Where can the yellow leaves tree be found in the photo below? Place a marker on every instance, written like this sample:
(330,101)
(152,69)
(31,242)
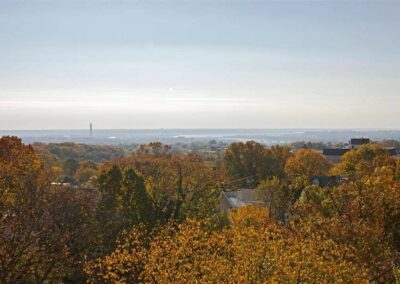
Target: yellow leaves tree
(396,272)
(187,253)
(362,161)
(363,214)
(254,250)
(306,163)
(249,215)
(20,168)
(267,252)
(125,264)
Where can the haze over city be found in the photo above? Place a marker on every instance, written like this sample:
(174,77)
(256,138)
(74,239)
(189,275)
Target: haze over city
(208,64)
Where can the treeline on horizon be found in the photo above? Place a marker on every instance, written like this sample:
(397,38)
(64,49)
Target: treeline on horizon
(75,213)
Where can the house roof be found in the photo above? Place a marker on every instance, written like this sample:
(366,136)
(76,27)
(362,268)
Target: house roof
(359,141)
(324,181)
(335,151)
(241,197)
(233,200)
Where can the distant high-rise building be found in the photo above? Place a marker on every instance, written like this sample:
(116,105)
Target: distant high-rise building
(91,129)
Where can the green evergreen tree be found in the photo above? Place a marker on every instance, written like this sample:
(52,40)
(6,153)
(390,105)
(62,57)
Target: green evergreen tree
(109,221)
(136,202)
(110,187)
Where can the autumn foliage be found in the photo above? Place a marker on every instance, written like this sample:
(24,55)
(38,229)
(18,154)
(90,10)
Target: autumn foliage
(254,249)
(154,217)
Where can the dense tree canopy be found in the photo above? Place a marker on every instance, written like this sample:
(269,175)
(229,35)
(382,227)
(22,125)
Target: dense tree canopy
(248,163)
(43,231)
(362,161)
(154,217)
(307,163)
(253,250)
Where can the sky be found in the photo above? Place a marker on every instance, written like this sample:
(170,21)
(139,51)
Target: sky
(199,64)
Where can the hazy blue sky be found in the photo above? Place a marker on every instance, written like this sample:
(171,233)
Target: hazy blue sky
(172,64)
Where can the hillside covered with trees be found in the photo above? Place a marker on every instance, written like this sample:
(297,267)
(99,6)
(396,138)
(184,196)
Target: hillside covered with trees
(151,215)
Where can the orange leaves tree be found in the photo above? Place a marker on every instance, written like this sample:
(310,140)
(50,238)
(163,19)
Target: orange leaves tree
(253,249)
(21,178)
(21,170)
(43,230)
(163,210)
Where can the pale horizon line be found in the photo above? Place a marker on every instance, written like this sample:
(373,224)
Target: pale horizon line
(216,128)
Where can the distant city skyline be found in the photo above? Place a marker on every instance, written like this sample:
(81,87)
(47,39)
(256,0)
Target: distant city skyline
(199,64)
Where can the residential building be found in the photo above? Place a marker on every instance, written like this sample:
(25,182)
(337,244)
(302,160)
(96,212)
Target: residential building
(239,198)
(326,181)
(334,154)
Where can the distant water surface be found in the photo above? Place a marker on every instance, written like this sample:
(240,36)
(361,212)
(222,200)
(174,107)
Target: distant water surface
(171,136)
